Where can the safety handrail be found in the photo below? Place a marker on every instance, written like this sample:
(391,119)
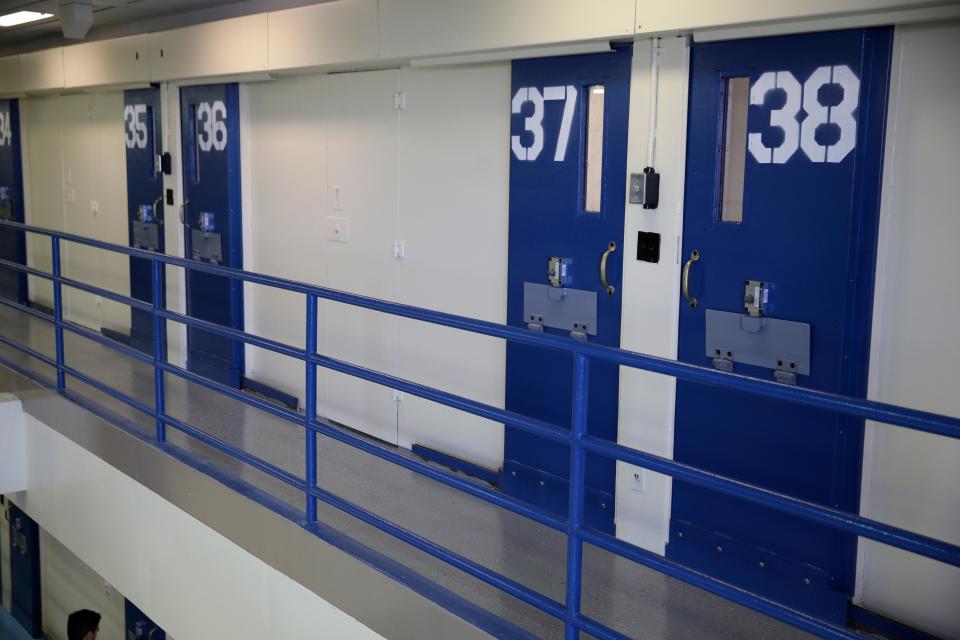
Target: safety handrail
(578,439)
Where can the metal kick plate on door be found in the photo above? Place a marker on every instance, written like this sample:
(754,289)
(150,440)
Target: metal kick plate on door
(145,235)
(560,308)
(763,342)
(206,246)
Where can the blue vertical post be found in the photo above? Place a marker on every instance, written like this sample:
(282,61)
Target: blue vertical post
(58,312)
(159,347)
(310,408)
(578,429)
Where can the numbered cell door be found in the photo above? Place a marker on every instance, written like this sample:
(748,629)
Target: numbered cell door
(13,284)
(145,207)
(25,572)
(780,222)
(568,150)
(211,219)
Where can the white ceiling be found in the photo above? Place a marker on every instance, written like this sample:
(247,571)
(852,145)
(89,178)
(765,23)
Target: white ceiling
(113,18)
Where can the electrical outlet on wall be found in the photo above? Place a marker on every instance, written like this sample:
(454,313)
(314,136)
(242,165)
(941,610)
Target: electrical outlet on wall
(638,479)
(338,229)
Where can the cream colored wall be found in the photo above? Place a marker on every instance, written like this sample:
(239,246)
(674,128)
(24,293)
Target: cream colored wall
(75,169)
(43,184)
(910,479)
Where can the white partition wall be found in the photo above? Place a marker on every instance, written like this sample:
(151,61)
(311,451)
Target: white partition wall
(910,479)
(454,167)
(360,229)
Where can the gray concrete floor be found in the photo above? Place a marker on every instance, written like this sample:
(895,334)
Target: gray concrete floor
(636,601)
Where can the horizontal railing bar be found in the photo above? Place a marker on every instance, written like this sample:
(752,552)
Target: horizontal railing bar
(470,487)
(109,391)
(236,394)
(494,579)
(449,479)
(16,266)
(257,463)
(36,313)
(838,404)
(596,629)
(867,409)
(847,405)
(236,334)
(718,587)
(505,584)
(133,303)
(94,336)
(28,351)
(524,423)
(834,518)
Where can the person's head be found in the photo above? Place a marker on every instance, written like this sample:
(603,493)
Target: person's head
(83,625)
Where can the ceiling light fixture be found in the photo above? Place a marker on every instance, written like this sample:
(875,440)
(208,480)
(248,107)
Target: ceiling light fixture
(22,17)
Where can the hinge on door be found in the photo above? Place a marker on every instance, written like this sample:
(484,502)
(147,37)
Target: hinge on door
(723,360)
(399,100)
(399,250)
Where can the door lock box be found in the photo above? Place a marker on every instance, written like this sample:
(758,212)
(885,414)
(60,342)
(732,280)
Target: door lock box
(756,294)
(145,213)
(145,231)
(206,221)
(558,271)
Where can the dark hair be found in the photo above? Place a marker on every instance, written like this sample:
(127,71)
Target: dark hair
(82,622)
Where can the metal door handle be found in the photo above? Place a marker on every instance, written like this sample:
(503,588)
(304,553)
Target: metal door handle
(603,268)
(183,205)
(155,210)
(694,257)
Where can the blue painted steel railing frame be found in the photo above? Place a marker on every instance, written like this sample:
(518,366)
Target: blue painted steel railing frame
(580,442)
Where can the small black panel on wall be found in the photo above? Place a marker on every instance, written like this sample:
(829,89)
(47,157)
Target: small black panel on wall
(648,246)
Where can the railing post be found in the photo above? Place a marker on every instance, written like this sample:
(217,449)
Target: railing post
(58,312)
(310,407)
(159,348)
(578,429)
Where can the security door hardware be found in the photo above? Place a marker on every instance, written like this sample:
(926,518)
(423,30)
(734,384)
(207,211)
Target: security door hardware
(645,188)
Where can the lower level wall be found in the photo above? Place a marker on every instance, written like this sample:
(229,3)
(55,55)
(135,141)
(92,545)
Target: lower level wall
(191,580)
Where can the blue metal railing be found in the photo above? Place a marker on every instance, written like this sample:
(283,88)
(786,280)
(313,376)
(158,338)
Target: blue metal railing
(580,443)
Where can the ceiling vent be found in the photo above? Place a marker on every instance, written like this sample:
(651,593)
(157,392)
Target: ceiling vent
(76,17)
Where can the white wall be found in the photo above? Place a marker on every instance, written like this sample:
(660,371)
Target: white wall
(191,580)
(651,291)
(284,173)
(910,479)
(426,175)
(454,176)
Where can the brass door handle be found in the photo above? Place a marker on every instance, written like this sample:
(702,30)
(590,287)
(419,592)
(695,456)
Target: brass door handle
(155,210)
(685,278)
(183,205)
(603,268)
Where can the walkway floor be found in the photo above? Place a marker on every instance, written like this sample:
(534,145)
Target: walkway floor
(632,599)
